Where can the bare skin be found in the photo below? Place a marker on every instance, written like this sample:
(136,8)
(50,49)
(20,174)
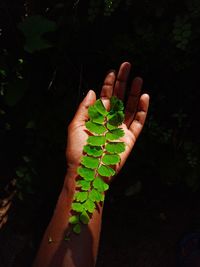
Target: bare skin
(81,250)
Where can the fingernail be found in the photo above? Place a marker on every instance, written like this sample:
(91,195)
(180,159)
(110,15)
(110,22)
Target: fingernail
(89,94)
(111,71)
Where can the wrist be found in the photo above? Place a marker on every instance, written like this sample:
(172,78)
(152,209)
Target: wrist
(70,181)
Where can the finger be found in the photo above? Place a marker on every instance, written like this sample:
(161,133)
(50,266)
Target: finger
(133,100)
(82,112)
(121,81)
(140,116)
(3,221)
(107,89)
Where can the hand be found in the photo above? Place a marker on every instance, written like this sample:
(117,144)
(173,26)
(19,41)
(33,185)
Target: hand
(135,115)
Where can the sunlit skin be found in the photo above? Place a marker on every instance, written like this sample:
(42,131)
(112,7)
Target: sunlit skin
(135,115)
(81,250)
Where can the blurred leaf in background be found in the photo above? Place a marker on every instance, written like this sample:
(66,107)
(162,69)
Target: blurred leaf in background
(34,28)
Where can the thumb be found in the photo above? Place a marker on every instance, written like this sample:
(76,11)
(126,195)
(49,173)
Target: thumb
(82,112)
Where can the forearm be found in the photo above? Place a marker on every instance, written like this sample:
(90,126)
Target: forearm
(80,250)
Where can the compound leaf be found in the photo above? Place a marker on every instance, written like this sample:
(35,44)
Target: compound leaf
(115,134)
(85,185)
(115,147)
(77,228)
(81,196)
(74,219)
(95,128)
(95,195)
(96,140)
(100,185)
(111,159)
(95,151)
(100,107)
(77,207)
(95,116)
(84,218)
(106,171)
(90,162)
(86,173)
(104,127)
(89,205)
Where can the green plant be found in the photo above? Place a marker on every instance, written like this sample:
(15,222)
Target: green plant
(101,154)
(34,28)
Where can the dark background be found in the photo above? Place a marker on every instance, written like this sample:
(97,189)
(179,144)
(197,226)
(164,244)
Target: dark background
(51,53)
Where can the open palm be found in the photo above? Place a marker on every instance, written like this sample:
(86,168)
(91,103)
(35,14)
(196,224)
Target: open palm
(135,115)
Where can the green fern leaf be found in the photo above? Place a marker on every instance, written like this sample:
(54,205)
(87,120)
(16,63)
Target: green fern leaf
(81,196)
(100,107)
(115,134)
(90,162)
(116,104)
(95,195)
(95,151)
(85,185)
(110,126)
(84,218)
(116,119)
(95,116)
(89,205)
(100,185)
(102,197)
(96,140)
(77,207)
(77,229)
(86,173)
(105,171)
(74,219)
(100,153)
(95,128)
(111,159)
(115,147)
